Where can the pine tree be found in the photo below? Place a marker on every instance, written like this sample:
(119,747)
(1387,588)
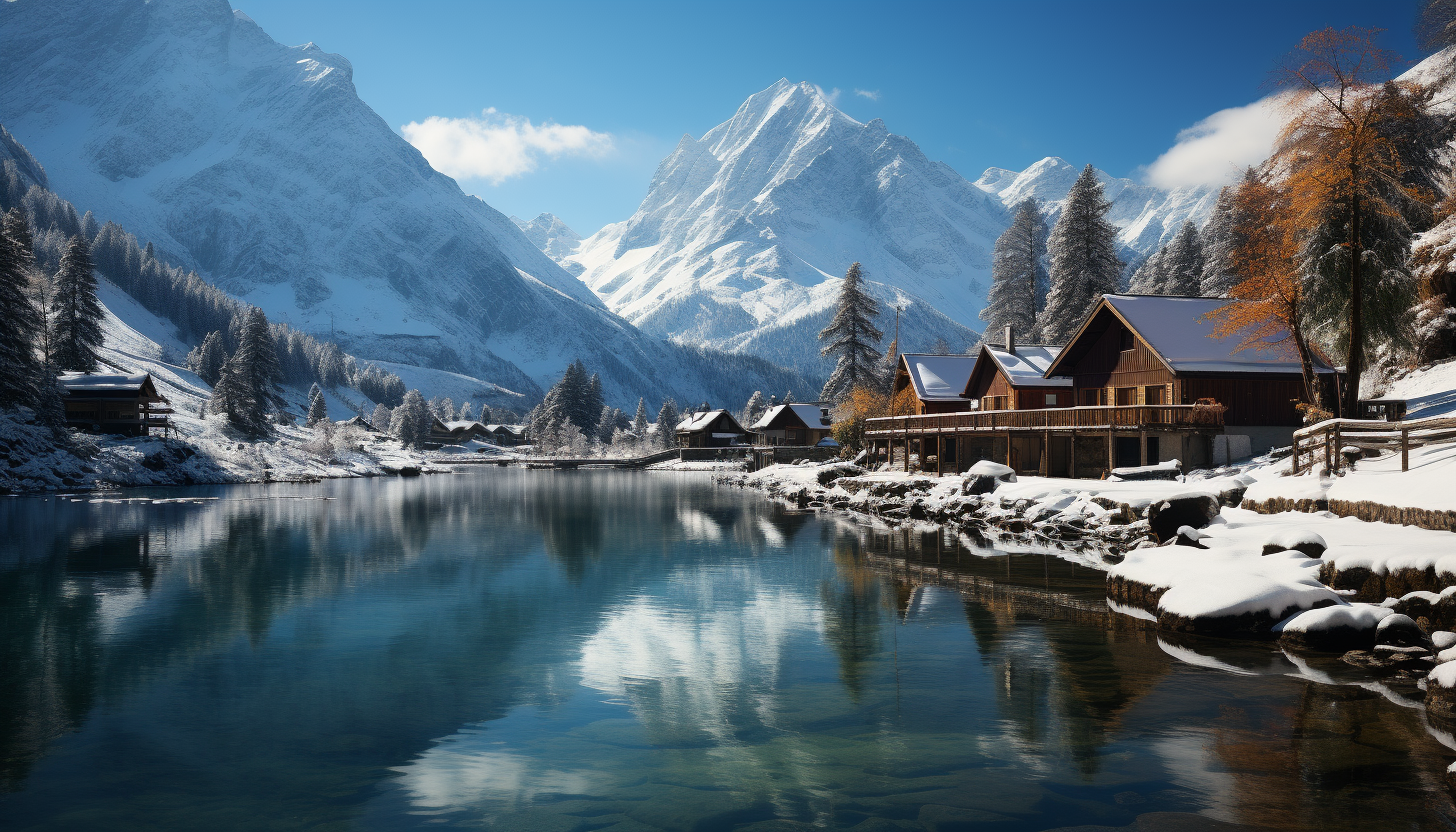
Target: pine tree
(207,359)
(1149,277)
(1018,278)
(446,410)
(667,419)
(606,425)
(467,412)
(487,415)
(1220,238)
(247,388)
(754,409)
(78,312)
(22,378)
(639,421)
(1084,264)
(852,337)
(887,367)
(380,417)
(410,422)
(1183,263)
(318,409)
(592,404)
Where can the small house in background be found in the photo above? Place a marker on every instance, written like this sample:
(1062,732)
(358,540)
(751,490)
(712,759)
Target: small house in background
(465,431)
(120,404)
(792,424)
(506,436)
(936,382)
(361,423)
(1012,376)
(710,429)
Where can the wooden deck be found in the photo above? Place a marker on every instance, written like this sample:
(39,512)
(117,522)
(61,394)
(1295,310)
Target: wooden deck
(1058,419)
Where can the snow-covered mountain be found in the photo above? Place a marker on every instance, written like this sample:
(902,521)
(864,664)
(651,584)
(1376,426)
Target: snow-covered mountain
(554,237)
(258,165)
(1147,216)
(745,234)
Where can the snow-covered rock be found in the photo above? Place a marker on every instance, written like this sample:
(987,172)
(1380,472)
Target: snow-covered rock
(1333,629)
(554,237)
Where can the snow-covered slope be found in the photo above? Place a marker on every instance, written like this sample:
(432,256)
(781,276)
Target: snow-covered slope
(1147,217)
(554,237)
(745,234)
(258,165)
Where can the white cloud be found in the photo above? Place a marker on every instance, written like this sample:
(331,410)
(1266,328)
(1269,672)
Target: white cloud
(832,96)
(1217,149)
(499,146)
(873,95)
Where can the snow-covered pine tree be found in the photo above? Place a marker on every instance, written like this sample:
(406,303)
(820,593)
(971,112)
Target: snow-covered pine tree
(380,417)
(247,388)
(888,366)
(467,413)
(206,360)
(22,378)
(753,409)
(446,410)
(606,425)
(78,313)
(1220,238)
(318,409)
(789,397)
(1018,277)
(852,337)
(1149,277)
(487,416)
(410,422)
(667,419)
(592,404)
(1183,263)
(1084,263)
(639,421)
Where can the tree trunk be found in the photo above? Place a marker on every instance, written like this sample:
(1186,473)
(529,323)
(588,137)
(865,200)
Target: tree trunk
(1312,391)
(1355,355)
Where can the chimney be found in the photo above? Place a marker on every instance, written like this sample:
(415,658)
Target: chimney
(1010,341)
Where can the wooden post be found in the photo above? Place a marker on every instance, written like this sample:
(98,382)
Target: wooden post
(1405,449)
(1111,450)
(1142,447)
(1072,451)
(1045,469)
(1338,446)
(939,452)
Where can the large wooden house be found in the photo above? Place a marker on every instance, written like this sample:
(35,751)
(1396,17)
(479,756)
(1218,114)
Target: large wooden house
(792,424)
(119,404)
(935,382)
(1012,376)
(710,429)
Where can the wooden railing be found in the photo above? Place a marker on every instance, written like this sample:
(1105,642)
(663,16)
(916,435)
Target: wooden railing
(1329,437)
(1059,418)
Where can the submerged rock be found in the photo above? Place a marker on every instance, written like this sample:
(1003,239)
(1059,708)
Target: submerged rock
(1333,629)
(1400,631)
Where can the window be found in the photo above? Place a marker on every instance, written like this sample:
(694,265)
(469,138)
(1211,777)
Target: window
(1125,340)
(1154,394)
(1090,397)
(1051,400)
(1126,395)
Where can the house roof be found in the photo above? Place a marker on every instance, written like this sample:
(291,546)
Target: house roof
(1179,332)
(512,429)
(703,420)
(1027,366)
(938,378)
(465,425)
(118,384)
(810,414)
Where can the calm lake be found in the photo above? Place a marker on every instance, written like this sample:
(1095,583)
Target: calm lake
(597,650)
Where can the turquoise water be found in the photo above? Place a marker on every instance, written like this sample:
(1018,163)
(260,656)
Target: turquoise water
(623,651)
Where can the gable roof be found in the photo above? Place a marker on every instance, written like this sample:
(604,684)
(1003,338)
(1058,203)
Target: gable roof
(1027,366)
(938,378)
(703,420)
(811,415)
(1182,337)
(114,384)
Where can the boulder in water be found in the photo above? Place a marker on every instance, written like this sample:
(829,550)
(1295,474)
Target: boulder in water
(1194,509)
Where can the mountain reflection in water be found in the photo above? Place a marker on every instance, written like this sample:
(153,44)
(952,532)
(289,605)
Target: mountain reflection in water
(618,650)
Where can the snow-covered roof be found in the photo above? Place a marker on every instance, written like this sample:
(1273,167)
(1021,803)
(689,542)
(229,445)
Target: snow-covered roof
(96,383)
(1180,333)
(810,414)
(939,378)
(511,428)
(1027,365)
(701,420)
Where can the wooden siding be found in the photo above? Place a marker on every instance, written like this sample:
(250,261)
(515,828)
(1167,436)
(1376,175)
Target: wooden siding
(1106,364)
(1260,400)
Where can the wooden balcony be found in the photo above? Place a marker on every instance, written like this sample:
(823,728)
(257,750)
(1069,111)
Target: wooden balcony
(1137,417)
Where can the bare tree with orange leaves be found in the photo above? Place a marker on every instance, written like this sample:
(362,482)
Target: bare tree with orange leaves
(1357,163)
(1268,301)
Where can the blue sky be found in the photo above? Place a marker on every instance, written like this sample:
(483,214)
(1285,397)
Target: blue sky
(974,84)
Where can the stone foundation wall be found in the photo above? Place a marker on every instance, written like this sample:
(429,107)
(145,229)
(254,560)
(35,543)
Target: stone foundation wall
(1441,521)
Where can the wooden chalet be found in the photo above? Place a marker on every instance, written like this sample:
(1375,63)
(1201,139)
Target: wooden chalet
(1151,382)
(791,424)
(117,404)
(1012,376)
(710,429)
(506,436)
(936,382)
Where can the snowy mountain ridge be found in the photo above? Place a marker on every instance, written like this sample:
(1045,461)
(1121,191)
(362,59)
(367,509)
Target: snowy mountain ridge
(745,234)
(258,165)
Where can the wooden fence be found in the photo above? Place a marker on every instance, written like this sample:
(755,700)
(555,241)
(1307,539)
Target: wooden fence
(1136,416)
(1332,435)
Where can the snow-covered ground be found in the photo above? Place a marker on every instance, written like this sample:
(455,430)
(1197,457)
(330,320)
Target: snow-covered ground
(1427,391)
(1429,484)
